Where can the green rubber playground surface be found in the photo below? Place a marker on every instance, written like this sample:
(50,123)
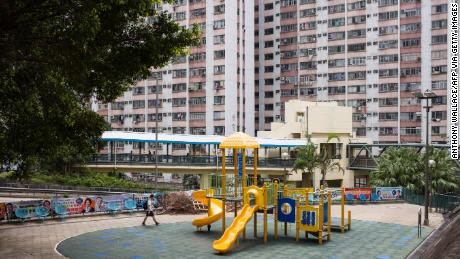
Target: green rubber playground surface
(181,240)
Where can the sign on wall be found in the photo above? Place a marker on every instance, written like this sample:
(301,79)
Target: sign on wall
(388,193)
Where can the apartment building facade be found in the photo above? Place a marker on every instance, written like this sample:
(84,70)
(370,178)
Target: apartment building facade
(210,91)
(371,55)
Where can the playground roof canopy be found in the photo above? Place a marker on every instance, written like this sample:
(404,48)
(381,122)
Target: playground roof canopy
(239,140)
(193,139)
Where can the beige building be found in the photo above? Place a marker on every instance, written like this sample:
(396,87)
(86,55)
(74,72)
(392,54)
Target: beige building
(319,120)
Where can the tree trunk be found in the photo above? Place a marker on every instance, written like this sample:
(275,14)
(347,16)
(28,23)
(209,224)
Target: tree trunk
(324,182)
(305,179)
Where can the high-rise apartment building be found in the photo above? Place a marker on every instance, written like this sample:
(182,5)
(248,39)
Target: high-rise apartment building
(210,91)
(371,55)
(254,56)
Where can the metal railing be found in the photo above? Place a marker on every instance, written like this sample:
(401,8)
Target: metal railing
(170,160)
(439,202)
(361,162)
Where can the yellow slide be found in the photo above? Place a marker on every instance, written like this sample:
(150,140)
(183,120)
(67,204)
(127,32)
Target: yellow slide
(231,234)
(214,209)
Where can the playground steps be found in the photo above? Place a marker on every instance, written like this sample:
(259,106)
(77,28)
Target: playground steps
(315,235)
(335,224)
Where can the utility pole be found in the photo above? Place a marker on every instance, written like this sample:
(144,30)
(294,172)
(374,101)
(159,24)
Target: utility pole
(156,132)
(427,96)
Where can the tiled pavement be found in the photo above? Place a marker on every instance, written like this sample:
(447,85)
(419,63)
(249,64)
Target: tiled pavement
(181,240)
(38,240)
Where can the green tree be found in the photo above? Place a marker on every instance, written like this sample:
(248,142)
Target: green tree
(57,55)
(306,161)
(326,160)
(405,167)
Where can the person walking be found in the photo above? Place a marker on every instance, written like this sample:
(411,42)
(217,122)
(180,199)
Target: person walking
(151,204)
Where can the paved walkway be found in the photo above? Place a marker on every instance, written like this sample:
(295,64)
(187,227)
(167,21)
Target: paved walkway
(38,240)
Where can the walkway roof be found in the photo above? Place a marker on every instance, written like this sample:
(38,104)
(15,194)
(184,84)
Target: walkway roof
(192,139)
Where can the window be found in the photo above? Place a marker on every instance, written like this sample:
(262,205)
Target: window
(197,101)
(412,131)
(336,63)
(358,75)
(179,88)
(268,56)
(199,71)
(410,116)
(415,42)
(268,31)
(383,73)
(388,30)
(219,24)
(336,22)
(178,102)
(178,130)
(439,39)
(219,9)
(307,12)
(308,38)
(268,6)
(411,57)
(138,90)
(358,61)
(153,117)
(388,58)
(411,12)
(340,8)
(361,132)
(439,130)
(336,90)
(268,44)
(336,76)
(197,116)
(288,28)
(336,49)
(410,87)
(219,39)
(198,131)
(357,34)
(409,101)
(357,6)
(388,131)
(288,15)
(411,27)
(154,103)
(178,116)
(288,41)
(269,107)
(307,26)
(219,130)
(387,2)
(336,35)
(442,8)
(388,44)
(357,47)
(439,85)
(179,73)
(388,116)
(390,87)
(218,100)
(439,70)
(179,16)
(412,71)
(197,13)
(138,118)
(357,19)
(360,181)
(388,15)
(439,115)
(354,89)
(268,18)
(440,100)
(439,54)
(439,24)
(268,69)
(218,70)
(388,101)
(138,104)
(219,54)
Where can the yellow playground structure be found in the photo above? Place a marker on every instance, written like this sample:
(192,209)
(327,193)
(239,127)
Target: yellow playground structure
(288,205)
